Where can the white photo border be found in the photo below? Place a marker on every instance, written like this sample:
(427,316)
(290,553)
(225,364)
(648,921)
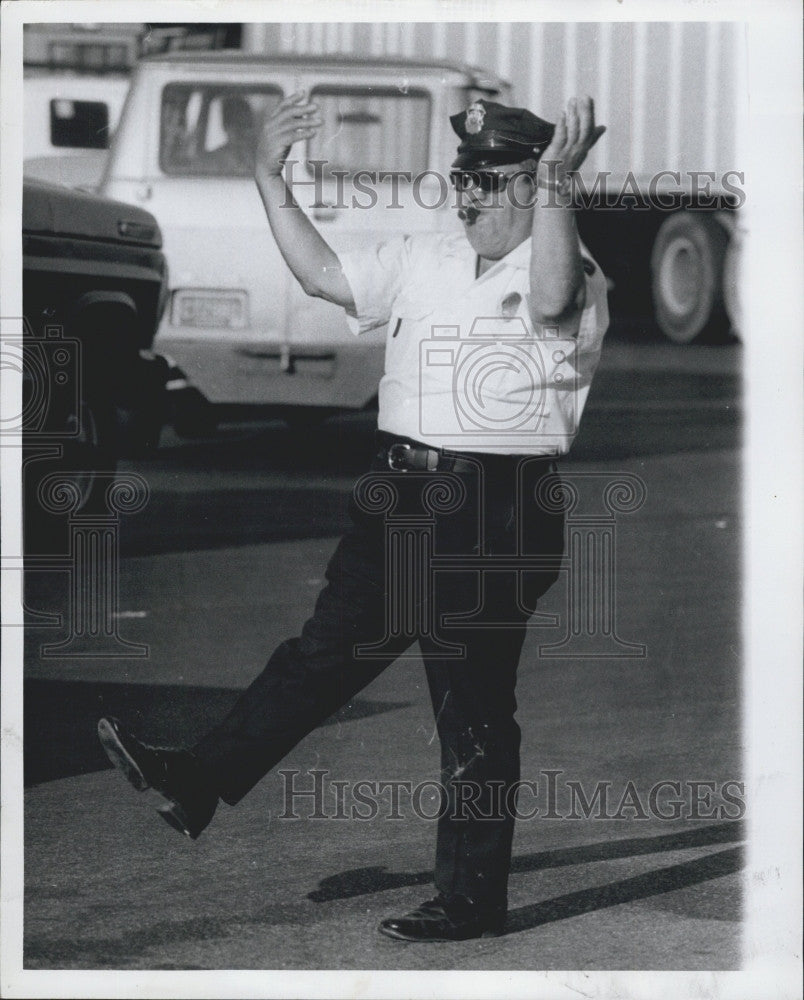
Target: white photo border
(770,146)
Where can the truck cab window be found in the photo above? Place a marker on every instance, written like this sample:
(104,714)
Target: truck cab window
(211,131)
(372,128)
(79,124)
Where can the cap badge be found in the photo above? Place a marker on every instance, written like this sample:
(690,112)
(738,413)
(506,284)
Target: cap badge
(475,114)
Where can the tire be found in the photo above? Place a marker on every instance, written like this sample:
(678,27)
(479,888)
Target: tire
(731,288)
(91,457)
(687,277)
(191,414)
(87,461)
(143,412)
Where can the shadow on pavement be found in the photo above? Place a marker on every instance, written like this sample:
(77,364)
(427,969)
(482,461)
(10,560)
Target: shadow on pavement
(61,719)
(626,890)
(127,951)
(365,881)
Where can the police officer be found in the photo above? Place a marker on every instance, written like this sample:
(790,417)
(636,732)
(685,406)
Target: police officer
(493,335)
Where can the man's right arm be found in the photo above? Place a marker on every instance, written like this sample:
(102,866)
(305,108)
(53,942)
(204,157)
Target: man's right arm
(312,260)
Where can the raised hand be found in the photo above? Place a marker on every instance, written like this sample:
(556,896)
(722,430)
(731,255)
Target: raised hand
(574,136)
(292,119)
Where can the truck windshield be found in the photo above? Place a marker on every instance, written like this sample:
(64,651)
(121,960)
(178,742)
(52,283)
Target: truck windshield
(372,128)
(211,130)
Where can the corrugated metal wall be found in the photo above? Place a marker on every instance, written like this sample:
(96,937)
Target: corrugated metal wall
(666,91)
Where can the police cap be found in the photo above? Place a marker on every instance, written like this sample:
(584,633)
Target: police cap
(492,134)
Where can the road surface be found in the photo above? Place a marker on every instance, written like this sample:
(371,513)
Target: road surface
(225,561)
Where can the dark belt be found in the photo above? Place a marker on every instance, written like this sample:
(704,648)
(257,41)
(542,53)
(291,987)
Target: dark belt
(405,455)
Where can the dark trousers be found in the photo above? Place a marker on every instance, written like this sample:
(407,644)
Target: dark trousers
(490,510)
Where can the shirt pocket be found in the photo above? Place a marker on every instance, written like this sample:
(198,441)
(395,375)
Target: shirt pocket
(411,307)
(411,323)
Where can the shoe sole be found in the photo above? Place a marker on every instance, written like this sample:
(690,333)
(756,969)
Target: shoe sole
(173,814)
(115,750)
(120,757)
(398,936)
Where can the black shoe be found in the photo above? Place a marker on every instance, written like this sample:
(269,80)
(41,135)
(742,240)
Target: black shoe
(175,774)
(442,919)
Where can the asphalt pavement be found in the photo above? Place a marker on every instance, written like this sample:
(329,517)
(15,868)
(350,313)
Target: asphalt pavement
(225,561)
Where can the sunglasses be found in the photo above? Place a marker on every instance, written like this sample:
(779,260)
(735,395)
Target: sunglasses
(489,181)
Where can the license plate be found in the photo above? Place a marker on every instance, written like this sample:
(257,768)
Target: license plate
(227,310)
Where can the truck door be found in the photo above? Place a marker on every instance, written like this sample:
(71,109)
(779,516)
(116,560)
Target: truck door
(228,281)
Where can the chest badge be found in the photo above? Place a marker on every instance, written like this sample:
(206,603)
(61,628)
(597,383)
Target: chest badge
(474,118)
(510,305)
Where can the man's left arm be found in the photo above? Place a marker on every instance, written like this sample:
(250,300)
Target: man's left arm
(557,286)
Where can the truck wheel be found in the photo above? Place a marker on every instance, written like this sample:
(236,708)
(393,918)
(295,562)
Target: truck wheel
(731,287)
(687,276)
(192,415)
(143,411)
(89,453)
(88,459)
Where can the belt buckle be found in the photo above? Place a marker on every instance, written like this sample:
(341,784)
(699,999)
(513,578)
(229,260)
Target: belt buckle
(392,456)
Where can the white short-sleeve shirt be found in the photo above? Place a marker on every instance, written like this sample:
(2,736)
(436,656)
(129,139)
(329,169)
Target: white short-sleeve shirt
(465,369)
